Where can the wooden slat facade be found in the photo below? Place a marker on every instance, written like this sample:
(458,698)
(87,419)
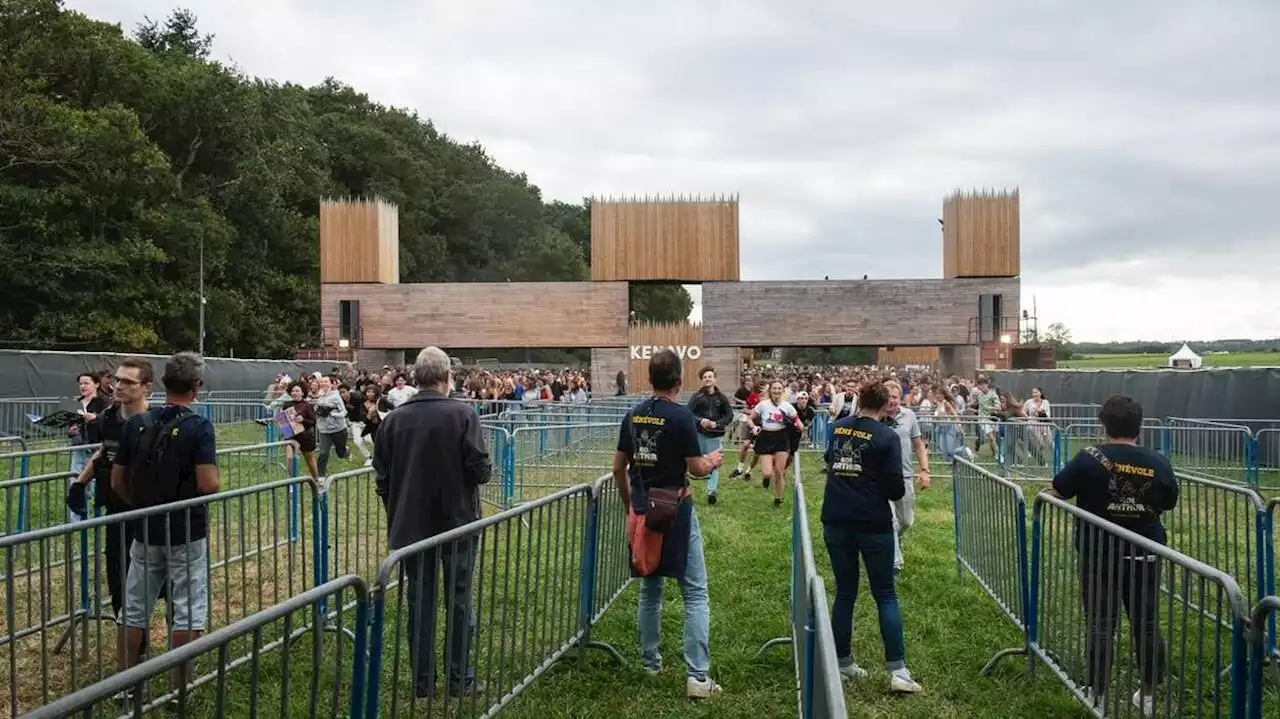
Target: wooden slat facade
(481,315)
(668,240)
(605,363)
(359,241)
(847,313)
(900,356)
(981,235)
(680,335)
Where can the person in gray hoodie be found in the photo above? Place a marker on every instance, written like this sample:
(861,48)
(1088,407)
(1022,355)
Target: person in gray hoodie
(331,424)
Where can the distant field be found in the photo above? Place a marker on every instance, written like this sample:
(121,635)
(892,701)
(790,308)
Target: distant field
(1140,361)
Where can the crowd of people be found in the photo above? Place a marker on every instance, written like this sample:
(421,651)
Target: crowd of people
(875,461)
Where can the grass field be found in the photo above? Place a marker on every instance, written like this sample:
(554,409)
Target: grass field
(1153,361)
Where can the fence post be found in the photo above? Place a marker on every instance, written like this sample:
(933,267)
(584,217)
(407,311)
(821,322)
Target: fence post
(360,657)
(955,515)
(320,544)
(1033,609)
(509,468)
(294,499)
(1059,439)
(374,666)
(1252,460)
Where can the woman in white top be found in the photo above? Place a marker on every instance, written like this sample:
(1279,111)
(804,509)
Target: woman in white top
(1041,432)
(768,421)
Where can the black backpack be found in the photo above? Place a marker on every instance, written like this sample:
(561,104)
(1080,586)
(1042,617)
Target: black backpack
(156,468)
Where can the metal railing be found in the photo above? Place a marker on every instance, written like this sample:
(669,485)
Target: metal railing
(1086,572)
(321,684)
(990,515)
(76,576)
(517,590)
(817,668)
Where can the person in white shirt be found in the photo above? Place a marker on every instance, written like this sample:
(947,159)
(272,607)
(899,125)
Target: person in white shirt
(401,392)
(905,424)
(768,421)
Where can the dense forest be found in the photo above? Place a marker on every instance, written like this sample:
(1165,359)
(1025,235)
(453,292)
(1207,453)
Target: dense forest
(121,156)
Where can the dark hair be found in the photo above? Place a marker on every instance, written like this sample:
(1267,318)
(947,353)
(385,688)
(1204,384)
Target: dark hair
(183,373)
(299,385)
(705,369)
(146,374)
(873,397)
(1042,394)
(91,375)
(1121,417)
(664,370)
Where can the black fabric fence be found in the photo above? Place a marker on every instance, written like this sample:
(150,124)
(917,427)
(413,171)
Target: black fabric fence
(25,373)
(1237,394)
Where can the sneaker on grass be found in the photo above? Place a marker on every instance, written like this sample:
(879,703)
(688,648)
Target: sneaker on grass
(702,688)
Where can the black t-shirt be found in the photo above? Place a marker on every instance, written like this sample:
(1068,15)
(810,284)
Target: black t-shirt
(864,474)
(110,428)
(1141,488)
(806,414)
(195,446)
(657,436)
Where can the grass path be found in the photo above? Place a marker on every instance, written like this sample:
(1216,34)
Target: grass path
(952,629)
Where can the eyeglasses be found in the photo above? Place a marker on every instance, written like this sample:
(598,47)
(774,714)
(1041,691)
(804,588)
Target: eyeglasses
(125,382)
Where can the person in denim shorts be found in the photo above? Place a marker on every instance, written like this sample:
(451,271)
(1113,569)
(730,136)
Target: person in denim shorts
(170,549)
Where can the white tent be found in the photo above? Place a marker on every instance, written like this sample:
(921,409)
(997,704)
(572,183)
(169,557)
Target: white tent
(1185,358)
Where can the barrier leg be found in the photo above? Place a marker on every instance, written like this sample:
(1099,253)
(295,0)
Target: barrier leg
(87,612)
(587,589)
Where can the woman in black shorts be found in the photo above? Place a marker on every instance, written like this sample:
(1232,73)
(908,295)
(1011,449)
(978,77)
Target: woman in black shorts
(769,422)
(306,414)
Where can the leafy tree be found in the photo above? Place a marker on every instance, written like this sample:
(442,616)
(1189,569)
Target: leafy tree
(177,35)
(660,302)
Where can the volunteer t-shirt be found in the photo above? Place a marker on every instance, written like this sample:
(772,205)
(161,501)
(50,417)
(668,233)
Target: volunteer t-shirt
(1132,494)
(657,436)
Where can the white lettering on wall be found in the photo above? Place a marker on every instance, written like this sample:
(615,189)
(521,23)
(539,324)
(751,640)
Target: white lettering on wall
(690,352)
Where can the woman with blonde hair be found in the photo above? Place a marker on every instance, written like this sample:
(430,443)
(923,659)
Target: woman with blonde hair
(768,422)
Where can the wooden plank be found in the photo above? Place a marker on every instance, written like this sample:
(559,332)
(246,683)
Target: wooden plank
(478,315)
(683,336)
(665,240)
(907,356)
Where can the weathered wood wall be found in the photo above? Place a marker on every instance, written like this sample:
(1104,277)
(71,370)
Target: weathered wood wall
(907,356)
(980,234)
(359,241)
(677,335)
(476,315)
(674,240)
(606,361)
(869,313)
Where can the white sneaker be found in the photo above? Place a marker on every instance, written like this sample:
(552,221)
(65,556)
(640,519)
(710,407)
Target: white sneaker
(900,681)
(852,672)
(702,689)
(652,671)
(1144,703)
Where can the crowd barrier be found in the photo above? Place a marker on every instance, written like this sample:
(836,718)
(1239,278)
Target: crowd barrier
(63,585)
(1188,621)
(328,682)
(990,515)
(1260,654)
(820,691)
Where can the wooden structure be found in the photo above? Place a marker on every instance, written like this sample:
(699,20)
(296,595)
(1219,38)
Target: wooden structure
(359,241)
(684,240)
(646,338)
(900,356)
(846,313)
(980,235)
(477,315)
(363,306)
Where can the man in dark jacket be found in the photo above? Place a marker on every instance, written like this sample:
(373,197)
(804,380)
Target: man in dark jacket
(714,413)
(430,460)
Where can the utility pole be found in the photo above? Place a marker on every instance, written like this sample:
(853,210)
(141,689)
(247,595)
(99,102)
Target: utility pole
(201,293)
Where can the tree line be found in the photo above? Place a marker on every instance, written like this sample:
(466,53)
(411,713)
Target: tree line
(121,156)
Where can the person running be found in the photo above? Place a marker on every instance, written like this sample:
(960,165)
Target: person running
(988,403)
(807,414)
(769,421)
(714,413)
(657,447)
(1130,486)
(749,398)
(864,477)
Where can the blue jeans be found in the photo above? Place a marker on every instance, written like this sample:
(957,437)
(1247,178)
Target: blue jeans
(420,570)
(944,435)
(697,612)
(711,444)
(876,549)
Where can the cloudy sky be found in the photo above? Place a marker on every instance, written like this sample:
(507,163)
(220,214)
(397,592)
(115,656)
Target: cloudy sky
(1143,135)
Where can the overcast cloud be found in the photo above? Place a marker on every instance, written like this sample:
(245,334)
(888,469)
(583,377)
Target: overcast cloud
(1143,135)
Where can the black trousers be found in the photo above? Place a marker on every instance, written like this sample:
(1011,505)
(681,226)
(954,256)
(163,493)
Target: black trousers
(1111,577)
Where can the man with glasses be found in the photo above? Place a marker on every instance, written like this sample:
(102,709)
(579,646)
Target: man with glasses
(132,381)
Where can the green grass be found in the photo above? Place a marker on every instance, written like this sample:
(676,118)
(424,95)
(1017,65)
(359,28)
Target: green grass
(952,628)
(1151,361)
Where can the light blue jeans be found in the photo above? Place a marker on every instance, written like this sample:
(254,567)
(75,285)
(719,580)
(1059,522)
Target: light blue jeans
(711,444)
(697,612)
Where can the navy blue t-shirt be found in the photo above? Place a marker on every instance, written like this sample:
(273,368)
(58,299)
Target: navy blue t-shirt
(864,474)
(195,445)
(1142,487)
(657,436)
